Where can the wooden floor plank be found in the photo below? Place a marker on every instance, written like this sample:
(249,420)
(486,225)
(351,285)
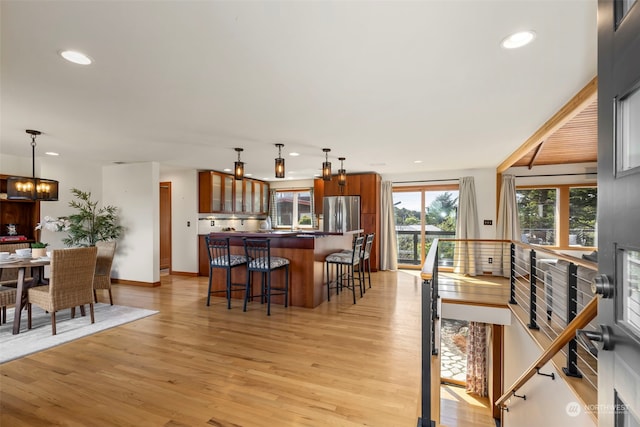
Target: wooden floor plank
(338,364)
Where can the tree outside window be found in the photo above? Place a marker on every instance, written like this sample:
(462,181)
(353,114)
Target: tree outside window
(293,209)
(537,214)
(564,216)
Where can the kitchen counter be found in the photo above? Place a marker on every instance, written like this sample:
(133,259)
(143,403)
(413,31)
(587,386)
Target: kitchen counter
(306,251)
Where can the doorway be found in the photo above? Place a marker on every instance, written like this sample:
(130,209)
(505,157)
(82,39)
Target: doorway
(618,206)
(165,226)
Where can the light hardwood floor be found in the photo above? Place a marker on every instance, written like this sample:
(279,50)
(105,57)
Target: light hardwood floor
(191,365)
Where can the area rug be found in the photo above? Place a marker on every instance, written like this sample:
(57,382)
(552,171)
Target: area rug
(39,337)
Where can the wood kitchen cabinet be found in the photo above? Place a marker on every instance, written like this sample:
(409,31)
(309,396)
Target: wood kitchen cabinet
(365,185)
(216,192)
(221,193)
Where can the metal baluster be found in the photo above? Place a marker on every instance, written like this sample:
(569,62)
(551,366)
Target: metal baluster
(571,369)
(533,302)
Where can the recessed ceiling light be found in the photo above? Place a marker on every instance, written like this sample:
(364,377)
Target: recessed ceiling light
(294,154)
(76,57)
(51,153)
(518,39)
(266,178)
(248,174)
(417,161)
(226,170)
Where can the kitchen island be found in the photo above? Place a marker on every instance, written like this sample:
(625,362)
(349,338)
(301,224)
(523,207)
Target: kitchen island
(306,251)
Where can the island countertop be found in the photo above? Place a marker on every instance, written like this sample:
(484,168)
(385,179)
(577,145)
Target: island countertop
(306,251)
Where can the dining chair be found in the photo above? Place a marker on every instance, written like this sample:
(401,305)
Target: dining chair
(70,283)
(9,276)
(104,261)
(220,256)
(258,252)
(7,297)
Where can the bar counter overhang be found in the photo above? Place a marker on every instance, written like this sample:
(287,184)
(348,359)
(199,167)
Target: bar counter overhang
(306,251)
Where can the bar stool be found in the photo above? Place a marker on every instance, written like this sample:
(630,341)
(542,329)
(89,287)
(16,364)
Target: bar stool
(220,257)
(349,260)
(258,251)
(366,258)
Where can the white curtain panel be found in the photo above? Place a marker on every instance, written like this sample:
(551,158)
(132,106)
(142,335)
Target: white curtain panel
(508,225)
(388,239)
(465,256)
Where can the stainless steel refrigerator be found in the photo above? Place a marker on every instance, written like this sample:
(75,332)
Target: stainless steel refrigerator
(341,213)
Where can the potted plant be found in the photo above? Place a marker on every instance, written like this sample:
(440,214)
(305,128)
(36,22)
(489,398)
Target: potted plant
(39,249)
(90,224)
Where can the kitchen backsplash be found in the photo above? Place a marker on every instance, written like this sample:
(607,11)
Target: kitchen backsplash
(205,224)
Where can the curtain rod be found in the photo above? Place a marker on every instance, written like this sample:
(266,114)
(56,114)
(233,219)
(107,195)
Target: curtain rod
(557,174)
(424,180)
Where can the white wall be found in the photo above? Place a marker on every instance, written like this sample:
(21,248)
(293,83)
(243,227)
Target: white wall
(85,176)
(291,183)
(485,182)
(547,399)
(184,219)
(476,313)
(134,189)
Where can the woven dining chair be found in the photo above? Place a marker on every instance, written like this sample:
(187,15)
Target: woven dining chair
(70,283)
(7,297)
(102,275)
(9,276)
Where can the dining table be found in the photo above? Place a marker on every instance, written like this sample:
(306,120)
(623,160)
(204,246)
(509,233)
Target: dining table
(37,273)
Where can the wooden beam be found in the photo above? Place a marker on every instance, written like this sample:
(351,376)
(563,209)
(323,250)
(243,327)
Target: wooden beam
(566,113)
(535,155)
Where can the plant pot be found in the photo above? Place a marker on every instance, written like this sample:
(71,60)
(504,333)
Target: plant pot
(38,252)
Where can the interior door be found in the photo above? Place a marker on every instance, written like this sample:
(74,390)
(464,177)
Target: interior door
(619,212)
(165,225)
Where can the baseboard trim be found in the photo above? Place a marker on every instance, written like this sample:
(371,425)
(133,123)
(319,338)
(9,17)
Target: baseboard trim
(183,273)
(135,283)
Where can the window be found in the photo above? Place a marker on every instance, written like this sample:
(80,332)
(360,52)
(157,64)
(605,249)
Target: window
(561,216)
(293,208)
(421,215)
(537,214)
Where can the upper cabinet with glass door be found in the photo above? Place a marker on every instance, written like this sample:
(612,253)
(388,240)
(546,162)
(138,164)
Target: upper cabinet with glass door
(220,193)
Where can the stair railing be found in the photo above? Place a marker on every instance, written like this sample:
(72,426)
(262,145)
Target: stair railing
(580,321)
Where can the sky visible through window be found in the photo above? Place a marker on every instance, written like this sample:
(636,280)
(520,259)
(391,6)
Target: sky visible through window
(411,200)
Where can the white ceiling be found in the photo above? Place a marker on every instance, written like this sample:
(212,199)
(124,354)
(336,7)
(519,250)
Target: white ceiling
(381,83)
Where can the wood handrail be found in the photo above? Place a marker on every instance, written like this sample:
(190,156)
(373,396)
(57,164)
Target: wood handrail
(582,319)
(427,268)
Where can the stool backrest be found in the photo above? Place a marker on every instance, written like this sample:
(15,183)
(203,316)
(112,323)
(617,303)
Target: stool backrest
(258,252)
(218,250)
(367,246)
(357,249)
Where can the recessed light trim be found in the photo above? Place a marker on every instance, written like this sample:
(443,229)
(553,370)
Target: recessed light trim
(76,57)
(294,154)
(226,170)
(51,153)
(519,39)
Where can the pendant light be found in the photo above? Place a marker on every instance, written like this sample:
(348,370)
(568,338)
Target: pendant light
(342,173)
(23,188)
(238,170)
(326,165)
(279,162)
